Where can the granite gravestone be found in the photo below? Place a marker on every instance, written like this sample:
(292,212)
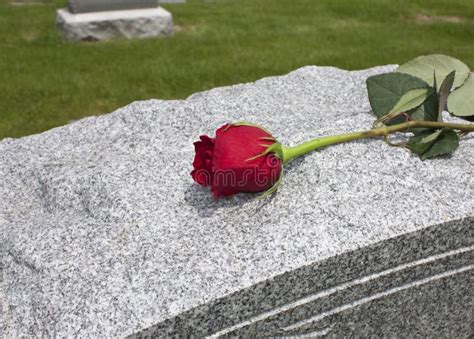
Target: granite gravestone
(104,234)
(107,19)
(82,6)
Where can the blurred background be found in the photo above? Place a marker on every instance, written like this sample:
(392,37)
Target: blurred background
(46,82)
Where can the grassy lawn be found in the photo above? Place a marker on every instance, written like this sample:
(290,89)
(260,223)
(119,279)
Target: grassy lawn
(45,82)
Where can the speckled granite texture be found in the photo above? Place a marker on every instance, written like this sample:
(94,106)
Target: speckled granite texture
(104,234)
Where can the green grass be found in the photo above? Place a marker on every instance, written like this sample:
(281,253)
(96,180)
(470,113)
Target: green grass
(45,82)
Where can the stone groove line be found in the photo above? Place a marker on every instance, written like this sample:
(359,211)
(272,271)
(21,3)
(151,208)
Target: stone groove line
(377,296)
(314,334)
(347,285)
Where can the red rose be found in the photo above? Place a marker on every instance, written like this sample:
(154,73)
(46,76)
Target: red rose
(237,160)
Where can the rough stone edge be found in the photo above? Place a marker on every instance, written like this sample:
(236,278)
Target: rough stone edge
(6,142)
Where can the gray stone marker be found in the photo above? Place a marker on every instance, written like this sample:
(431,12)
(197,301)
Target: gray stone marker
(106,19)
(81,6)
(105,234)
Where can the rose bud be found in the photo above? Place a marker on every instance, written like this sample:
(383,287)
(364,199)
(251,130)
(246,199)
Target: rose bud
(241,158)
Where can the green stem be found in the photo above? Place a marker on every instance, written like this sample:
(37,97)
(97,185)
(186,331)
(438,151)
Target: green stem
(290,153)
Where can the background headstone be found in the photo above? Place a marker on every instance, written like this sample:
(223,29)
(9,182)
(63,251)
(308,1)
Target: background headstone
(107,19)
(104,233)
(81,6)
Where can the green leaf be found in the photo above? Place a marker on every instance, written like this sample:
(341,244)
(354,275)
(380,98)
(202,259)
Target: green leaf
(429,139)
(461,101)
(446,143)
(429,144)
(424,66)
(411,99)
(422,141)
(444,90)
(428,110)
(386,90)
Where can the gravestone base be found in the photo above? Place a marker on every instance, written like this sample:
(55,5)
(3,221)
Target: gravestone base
(135,23)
